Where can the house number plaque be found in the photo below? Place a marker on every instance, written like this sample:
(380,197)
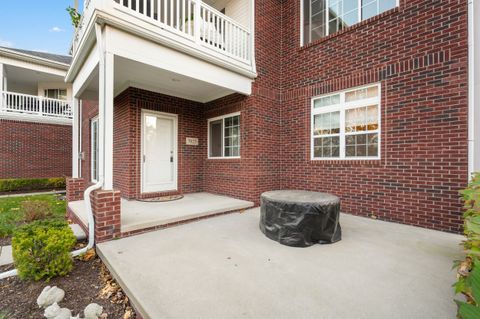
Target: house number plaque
(192,141)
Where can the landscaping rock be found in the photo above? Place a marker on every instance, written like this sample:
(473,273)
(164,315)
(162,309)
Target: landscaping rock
(55,312)
(6,255)
(49,296)
(93,311)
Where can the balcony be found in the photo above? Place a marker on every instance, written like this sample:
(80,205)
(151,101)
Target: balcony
(34,108)
(189,23)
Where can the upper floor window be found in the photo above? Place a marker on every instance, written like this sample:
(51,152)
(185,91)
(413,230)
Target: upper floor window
(59,94)
(324,17)
(224,136)
(346,125)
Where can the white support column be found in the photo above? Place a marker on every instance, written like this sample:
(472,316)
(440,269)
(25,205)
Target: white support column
(252,35)
(105,112)
(109,87)
(75,137)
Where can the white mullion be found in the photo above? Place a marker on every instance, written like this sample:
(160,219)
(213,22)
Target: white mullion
(359,11)
(327,28)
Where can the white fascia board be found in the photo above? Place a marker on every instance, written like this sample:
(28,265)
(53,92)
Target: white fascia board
(34,118)
(5,52)
(32,66)
(86,71)
(148,52)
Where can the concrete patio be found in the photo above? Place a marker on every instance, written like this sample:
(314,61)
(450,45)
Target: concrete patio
(224,267)
(136,215)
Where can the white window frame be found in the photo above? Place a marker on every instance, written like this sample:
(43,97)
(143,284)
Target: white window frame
(223,117)
(92,176)
(302,4)
(45,93)
(342,107)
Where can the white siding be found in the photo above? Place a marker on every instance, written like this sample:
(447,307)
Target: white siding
(235,9)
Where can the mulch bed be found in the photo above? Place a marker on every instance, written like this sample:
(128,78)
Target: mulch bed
(87,283)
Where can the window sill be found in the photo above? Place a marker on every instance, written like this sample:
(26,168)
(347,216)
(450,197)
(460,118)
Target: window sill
(224,158)
(347,161)
(349,29)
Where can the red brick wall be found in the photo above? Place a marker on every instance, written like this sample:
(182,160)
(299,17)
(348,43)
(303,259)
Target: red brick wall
(35,150)
(258,168)
(127,140)
(418,53)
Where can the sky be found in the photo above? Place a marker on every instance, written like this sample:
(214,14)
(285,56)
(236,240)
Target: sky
(39,25)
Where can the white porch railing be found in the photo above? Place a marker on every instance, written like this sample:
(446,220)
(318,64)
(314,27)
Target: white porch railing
(190,19)
(17,103)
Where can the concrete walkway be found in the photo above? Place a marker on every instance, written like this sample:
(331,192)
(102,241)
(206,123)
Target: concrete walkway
(224,267)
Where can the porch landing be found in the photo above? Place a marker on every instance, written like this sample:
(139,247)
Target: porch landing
(136,215)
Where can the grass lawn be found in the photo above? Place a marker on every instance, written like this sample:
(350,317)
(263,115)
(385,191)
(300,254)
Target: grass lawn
(11,215)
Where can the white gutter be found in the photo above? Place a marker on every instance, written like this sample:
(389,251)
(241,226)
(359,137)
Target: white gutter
(471,90)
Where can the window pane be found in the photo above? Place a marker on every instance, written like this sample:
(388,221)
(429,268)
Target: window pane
(326,146)
(341,14)
(372,117)
(385,5)
(232,136)
(361,94)
(327,101)
(313,20)
(216,138)
(369,9)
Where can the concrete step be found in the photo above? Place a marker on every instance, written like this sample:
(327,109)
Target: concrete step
(78,232)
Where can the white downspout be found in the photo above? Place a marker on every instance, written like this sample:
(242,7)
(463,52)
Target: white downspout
(472,98)
(101,144)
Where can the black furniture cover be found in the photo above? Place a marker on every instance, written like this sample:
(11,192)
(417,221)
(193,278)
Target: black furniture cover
(300,218)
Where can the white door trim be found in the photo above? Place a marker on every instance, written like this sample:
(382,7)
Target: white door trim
(173,117)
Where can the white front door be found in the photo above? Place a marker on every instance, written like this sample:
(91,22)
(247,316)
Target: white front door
(159,152)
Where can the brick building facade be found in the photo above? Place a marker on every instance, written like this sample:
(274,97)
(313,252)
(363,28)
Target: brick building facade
(416,52)
(34,150)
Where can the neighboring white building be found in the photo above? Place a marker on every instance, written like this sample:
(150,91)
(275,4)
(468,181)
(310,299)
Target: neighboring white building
(33,87)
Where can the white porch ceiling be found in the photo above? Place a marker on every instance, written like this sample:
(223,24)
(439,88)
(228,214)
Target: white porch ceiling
(130,73)
(26,81)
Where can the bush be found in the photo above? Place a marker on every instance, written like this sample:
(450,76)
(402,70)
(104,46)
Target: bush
(12,185)
(41,250)
(469,270)
(36,210)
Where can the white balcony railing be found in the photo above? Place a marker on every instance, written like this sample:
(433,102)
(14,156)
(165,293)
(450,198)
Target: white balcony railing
(190,19)
(24,104)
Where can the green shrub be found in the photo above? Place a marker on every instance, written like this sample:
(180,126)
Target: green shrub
(12,185)
(41,250)
(36,210)
(468,271)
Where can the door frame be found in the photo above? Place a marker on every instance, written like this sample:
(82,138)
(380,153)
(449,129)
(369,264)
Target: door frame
(169,116)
